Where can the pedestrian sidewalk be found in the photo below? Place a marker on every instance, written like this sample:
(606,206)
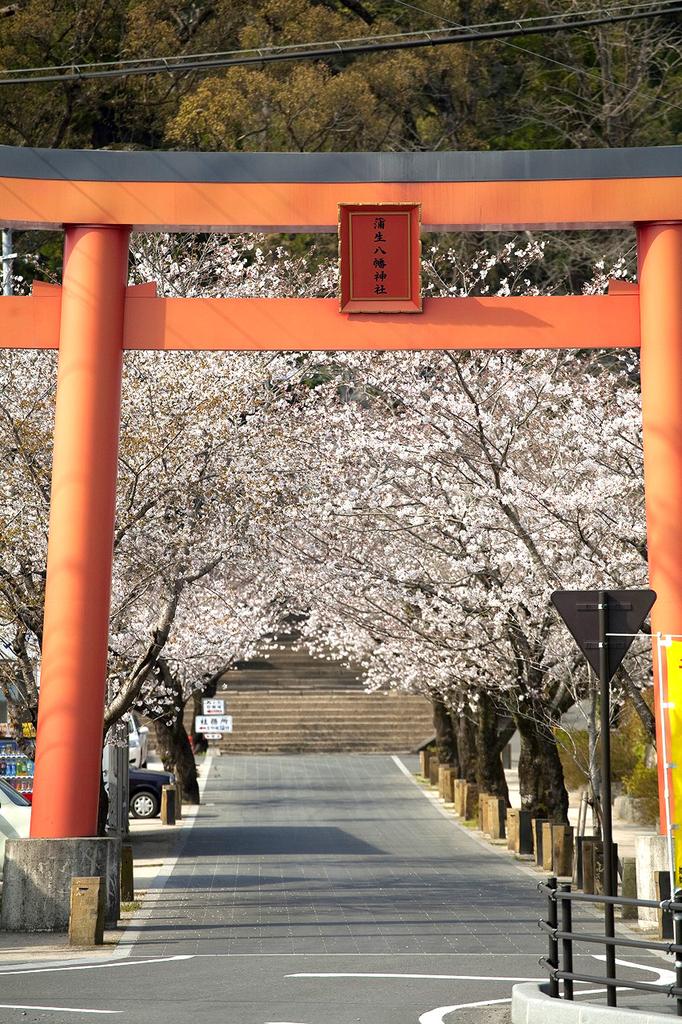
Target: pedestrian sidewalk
(155,851)
(624,832)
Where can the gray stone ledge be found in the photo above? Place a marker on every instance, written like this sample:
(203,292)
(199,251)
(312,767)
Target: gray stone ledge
(531,1004)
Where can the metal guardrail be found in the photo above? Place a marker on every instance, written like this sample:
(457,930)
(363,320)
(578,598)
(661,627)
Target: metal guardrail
(559,959)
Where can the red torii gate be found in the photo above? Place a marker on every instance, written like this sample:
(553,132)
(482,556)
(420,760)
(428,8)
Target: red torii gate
(98,197)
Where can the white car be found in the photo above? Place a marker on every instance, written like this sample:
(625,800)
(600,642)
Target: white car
(15,817)
(138,741)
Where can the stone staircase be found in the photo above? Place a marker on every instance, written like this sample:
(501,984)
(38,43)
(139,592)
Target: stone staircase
(291,702)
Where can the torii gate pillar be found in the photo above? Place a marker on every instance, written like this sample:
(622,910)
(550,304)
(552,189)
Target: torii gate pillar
(80,549)
(660,299)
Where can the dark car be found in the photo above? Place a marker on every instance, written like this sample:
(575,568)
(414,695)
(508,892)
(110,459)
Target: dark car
(145,791)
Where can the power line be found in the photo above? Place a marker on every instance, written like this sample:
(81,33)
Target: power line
(640,5)
(541,56)
(342,47)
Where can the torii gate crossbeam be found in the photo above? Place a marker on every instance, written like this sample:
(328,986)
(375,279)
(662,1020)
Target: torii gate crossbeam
(98,197)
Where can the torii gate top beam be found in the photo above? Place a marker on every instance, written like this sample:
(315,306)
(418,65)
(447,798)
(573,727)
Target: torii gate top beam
(299,192)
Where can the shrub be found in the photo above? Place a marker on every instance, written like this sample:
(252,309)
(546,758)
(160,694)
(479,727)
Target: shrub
(642,783)
(629,743)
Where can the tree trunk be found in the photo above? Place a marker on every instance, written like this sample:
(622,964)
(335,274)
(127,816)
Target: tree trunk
(103,806)
(446,741)
(490,742)
(466,746)
(594,768)
(541,776)
(173,742)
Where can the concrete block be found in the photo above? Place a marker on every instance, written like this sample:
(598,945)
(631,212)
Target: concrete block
(562,850)
(651,854)
(547,854)
(450,798)
(36,892)
(86,916)
(168,805)
(127,874)
(424,763)
(532,1004)
(458,792)
(536,827)
(629,887)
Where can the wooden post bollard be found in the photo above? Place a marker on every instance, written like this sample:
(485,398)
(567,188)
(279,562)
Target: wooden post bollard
(447,784)
(536,827)
(86,914)
(442,769)
(525,844)
(127,876)
(424,764)
(450,798)
(470,801)
(457,787)
(578,859)
(488,815)
(599,868)
(168,805)
(498,813)
(562,850)
(513,829)
(433,770)
(547,847)
(482,798)
(590,845)
(629,887)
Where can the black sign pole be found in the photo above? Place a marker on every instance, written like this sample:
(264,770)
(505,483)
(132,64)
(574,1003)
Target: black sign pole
(607,827)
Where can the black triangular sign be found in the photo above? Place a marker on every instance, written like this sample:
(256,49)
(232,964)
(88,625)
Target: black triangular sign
(626,611)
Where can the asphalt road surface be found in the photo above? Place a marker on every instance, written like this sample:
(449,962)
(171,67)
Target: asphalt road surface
(320,889)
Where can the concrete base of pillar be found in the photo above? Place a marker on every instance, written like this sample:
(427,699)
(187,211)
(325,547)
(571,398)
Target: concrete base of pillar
(652,855)
(36,889)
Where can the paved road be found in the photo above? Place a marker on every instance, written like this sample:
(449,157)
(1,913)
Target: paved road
(312,890)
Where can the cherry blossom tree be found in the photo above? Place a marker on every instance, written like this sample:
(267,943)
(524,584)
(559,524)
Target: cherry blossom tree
(417,508)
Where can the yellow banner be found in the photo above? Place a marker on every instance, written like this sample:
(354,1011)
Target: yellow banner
(673,714)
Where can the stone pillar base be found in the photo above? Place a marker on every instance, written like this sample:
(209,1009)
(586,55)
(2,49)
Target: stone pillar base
(36,889)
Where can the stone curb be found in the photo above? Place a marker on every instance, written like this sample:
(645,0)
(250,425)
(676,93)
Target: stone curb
(531,1004)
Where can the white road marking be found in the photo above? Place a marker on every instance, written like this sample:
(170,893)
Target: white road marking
(54,1009)
(664,977)
(403,768)
(436,977)
(98,966)
(436,1016)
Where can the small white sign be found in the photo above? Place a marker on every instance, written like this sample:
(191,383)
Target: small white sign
(213,723)
(213,735)
(213,706)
